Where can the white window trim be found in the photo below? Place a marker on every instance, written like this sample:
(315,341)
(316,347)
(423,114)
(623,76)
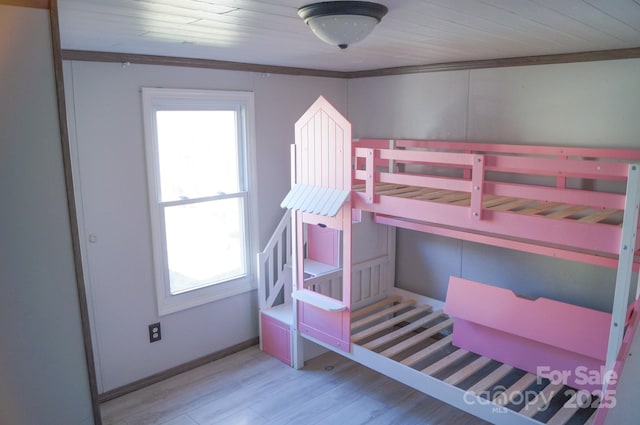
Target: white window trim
(152,99)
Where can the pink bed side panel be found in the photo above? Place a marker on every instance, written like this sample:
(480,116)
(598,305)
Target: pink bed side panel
(528,334)
(276,338)
(581,372)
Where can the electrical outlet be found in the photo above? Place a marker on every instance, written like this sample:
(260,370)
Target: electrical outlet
(154,332)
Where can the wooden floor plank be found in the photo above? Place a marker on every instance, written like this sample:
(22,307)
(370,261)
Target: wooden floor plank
(253,388)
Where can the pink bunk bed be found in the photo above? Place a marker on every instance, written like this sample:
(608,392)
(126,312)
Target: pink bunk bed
(485,347)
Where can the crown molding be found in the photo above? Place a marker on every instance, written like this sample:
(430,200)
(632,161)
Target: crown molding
(598,55)
(36,4)
(93,56)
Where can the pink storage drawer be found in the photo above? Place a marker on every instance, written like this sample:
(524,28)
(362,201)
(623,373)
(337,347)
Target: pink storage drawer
(276,338)
(540,335)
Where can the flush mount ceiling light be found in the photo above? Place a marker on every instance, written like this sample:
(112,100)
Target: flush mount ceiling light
(341,23)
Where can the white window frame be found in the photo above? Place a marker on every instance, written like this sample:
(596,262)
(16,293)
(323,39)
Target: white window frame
(153,100)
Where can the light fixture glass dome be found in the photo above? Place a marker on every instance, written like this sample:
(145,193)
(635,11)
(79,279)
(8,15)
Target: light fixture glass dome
(342,23)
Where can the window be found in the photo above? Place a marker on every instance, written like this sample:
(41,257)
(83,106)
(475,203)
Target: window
(198,147)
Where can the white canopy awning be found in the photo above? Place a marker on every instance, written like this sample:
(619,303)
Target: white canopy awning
(315,199)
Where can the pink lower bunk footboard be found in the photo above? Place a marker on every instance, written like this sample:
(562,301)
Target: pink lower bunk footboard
(560,341)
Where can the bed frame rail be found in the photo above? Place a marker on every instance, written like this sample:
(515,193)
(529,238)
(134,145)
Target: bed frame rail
(499,192)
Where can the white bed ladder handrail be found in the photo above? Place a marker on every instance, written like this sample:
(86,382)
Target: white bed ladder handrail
(625,266)
(274,265)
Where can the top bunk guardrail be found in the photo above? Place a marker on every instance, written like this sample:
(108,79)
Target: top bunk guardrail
(567,197)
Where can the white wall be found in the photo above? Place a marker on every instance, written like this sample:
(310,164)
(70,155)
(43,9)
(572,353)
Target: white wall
(582,104)
(43,373)
(106,119)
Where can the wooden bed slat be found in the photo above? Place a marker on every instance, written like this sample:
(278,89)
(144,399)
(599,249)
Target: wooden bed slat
(542,399)
(488,203)
(599,216)
(567,211)
(592,418)
(518,387)
(381,314)
(385,339)
(466,202)
(416,192)
(435,194)
(540,208)
(427,351)
(444,362)
(565,413)
(512,205)
(416,339)
(396,191)
(453,198)
(382,186)
(468,370)
(373,307)
(491,379)
(359,336)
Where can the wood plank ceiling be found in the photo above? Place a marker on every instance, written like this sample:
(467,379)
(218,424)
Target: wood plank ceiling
(414,32)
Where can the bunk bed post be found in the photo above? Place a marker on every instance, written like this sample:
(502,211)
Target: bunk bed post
(625,266)
(297,352)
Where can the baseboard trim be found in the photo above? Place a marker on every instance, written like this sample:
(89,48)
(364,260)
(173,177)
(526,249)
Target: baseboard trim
(161,376)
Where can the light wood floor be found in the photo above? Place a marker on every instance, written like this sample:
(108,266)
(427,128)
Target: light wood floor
(251,388)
